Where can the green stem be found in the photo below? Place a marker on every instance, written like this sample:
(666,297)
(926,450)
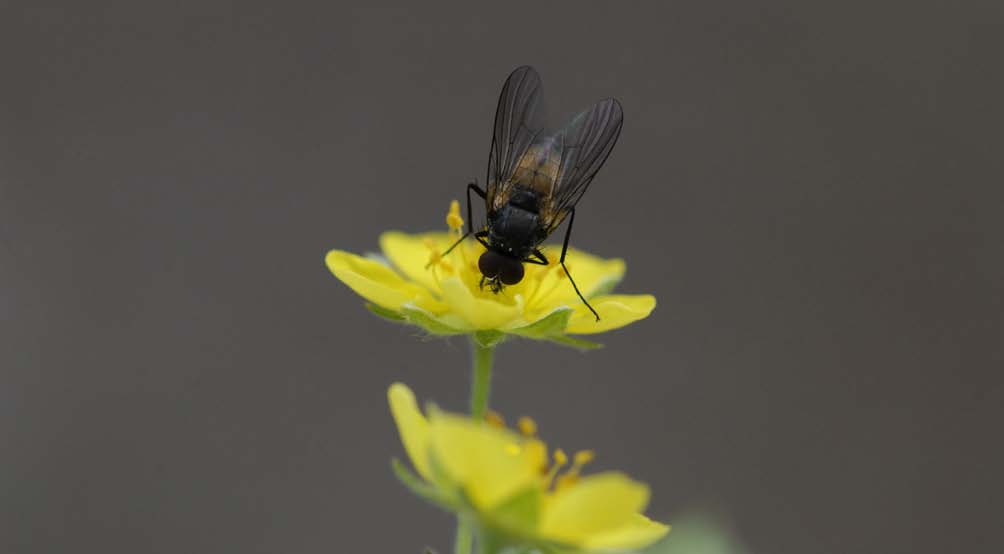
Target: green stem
(481,378)
(465,537)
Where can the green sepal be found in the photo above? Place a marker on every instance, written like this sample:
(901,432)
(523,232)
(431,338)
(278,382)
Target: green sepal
(488,338)
(385,313)
(550,326)
(419,487)
(424,320)
(574,342)
(520,511)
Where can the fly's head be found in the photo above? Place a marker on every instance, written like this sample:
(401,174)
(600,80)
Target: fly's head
(499,270)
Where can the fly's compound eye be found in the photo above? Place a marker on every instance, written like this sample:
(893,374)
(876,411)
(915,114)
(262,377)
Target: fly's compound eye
(511,272)
(493,265)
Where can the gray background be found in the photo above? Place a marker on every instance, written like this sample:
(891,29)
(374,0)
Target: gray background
(811,190)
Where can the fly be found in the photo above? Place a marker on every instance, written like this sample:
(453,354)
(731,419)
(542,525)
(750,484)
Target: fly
(535,179)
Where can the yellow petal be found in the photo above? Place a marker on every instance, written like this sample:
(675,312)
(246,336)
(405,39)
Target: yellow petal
(480,313)
(410,254)
(634,535)
(412,426)
(616,310)
(598,503)
(376,282)
(591,273)
(490,463)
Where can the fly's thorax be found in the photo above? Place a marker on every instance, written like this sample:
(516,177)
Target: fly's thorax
(514,231)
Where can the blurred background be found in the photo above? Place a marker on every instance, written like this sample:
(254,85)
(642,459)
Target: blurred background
(812,191)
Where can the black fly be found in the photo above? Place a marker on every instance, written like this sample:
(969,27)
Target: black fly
(535,178)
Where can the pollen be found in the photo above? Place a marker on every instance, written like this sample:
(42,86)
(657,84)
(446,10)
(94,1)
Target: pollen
(527,426)
(494,419)
(513,449)
(453,219)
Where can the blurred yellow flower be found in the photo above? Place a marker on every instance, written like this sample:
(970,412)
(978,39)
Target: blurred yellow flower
(414,283)
(503,481)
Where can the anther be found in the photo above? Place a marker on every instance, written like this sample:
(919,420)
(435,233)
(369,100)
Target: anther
(494,419)
(453,218)
(583,457)
(527,426)
(560,458)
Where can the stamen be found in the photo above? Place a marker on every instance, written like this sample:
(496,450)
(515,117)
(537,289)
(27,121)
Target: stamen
(494,419)
(453,219)
(571,476)
(434,255)
(560,459)
(527,426)
(513,449)
(565,481)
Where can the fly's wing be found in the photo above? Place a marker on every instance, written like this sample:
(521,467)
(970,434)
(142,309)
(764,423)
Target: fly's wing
(517,124)
(585,144)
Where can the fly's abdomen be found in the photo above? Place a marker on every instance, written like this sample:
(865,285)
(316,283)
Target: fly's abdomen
(538,169)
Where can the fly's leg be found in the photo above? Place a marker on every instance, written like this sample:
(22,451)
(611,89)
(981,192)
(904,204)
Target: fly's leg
(564,249)
(470,221)
(481,236)
(541,258)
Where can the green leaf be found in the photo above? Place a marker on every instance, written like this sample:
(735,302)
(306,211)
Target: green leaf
(552,325)
(698,534)
(419,487)
(577,343)
(488,339)
(380,311)
(424,320)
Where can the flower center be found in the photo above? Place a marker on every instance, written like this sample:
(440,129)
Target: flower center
(552,480)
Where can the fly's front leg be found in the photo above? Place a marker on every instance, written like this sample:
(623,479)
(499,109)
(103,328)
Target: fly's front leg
(482,237)
(564,249)
(541,258)
(470,220)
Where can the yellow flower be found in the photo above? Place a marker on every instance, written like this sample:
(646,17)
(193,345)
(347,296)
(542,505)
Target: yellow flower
(413,282)
(503,481)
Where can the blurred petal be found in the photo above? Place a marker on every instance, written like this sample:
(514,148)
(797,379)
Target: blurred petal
(493,464)
(616,310)
(376,282)
(411,425)
(598,503)
(634,535)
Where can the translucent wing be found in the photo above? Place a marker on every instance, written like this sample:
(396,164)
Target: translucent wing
(584,145)
(517,124)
